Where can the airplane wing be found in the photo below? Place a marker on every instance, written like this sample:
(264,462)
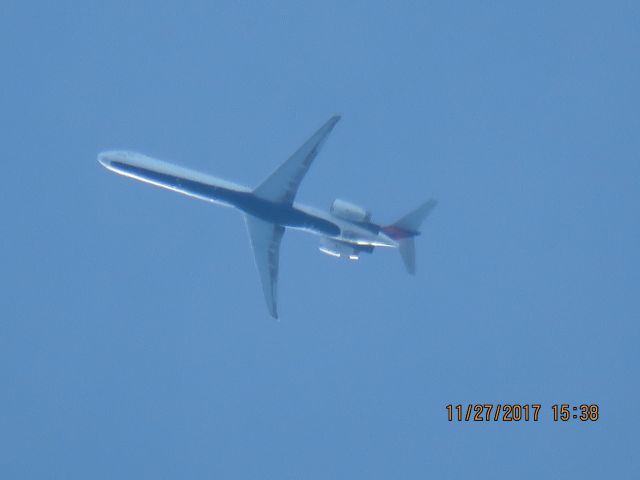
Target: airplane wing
(265,241)
(282,185)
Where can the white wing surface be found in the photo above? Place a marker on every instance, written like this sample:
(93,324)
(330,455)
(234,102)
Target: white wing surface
(265,241)
(282,185)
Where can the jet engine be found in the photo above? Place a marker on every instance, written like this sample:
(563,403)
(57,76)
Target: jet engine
(349,211)
(338,249)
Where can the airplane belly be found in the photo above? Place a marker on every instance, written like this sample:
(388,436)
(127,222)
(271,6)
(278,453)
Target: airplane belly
(286,216)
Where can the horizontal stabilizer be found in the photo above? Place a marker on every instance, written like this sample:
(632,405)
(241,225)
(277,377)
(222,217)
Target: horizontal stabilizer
(407,249)
(404,231)
(411,221)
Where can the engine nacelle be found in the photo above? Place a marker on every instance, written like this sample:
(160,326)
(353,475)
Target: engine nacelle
(349,211)
(338,249)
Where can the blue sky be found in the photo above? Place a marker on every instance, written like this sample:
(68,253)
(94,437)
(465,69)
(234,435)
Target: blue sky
(134,340)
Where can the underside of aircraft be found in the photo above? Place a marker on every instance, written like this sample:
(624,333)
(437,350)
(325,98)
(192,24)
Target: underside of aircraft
(346,231)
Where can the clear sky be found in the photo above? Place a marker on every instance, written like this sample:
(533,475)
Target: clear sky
(134,339)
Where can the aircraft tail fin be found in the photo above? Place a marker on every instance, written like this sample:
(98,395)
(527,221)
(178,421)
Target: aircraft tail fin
(405,229)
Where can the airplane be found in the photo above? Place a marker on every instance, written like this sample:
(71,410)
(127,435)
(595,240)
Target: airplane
(346,231)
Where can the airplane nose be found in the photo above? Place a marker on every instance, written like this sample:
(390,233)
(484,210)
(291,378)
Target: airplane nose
(103,158)
(107,158)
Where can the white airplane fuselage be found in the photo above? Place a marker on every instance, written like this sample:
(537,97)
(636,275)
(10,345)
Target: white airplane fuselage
(211,189)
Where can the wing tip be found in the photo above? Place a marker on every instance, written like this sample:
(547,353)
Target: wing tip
(333,120)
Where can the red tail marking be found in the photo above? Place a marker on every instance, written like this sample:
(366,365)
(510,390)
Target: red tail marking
(397,233)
